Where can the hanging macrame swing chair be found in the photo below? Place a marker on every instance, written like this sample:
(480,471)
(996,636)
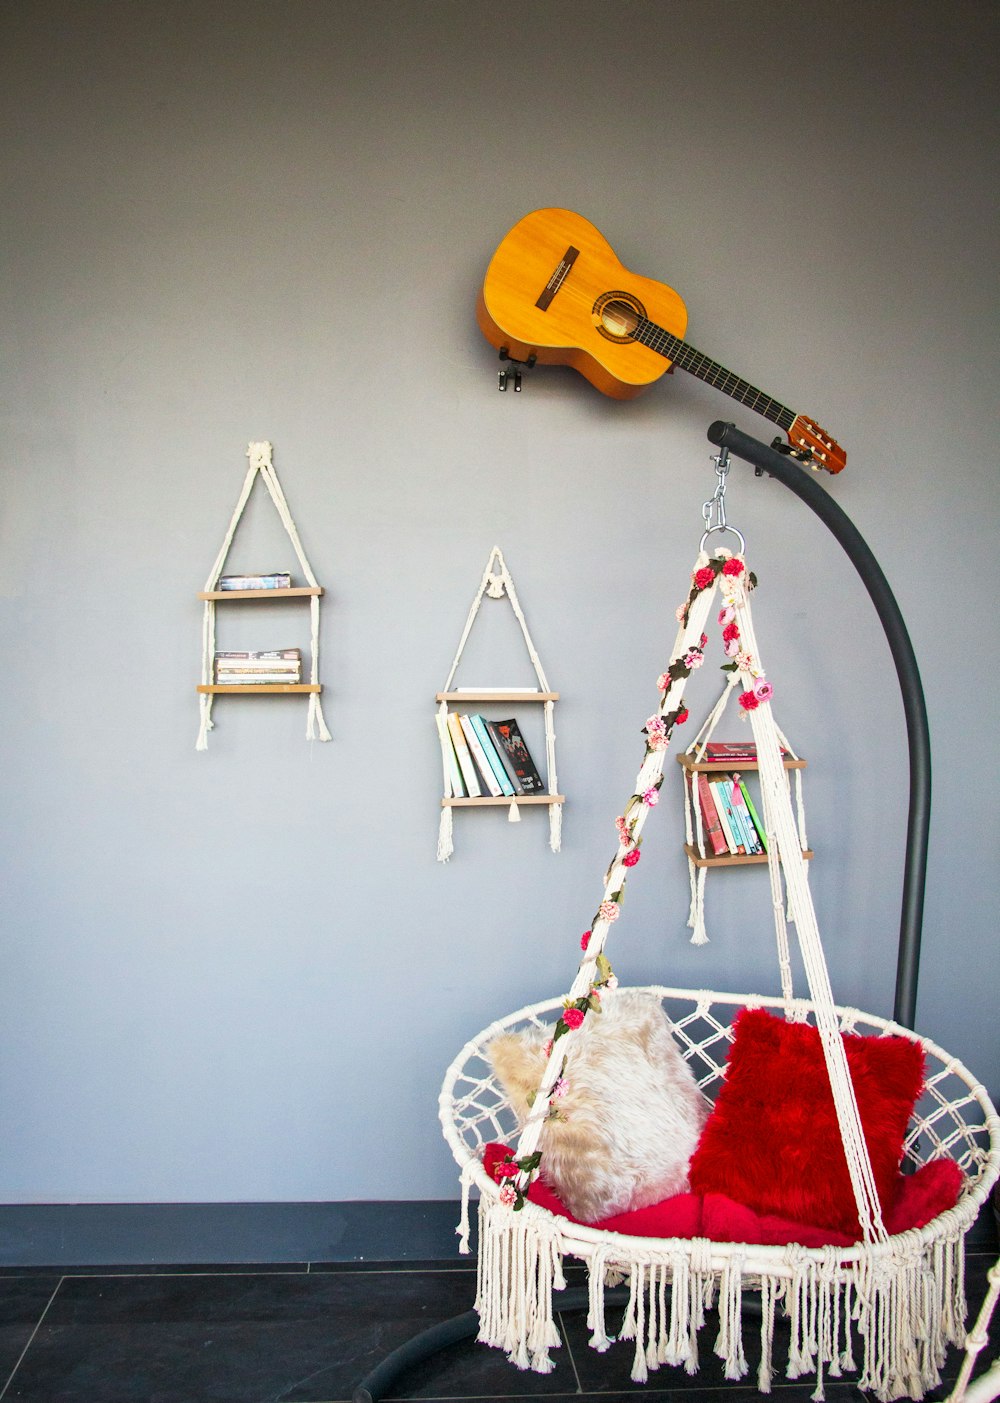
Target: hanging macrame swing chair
(895,1300)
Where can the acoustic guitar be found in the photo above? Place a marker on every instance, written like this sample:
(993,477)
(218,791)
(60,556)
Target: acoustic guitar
(555,293)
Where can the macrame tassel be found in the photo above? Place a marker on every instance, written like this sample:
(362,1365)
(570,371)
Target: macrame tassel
(596,1323)
(518,1263)
(446,844)
(729,1345)
(555,827)
(463,1230)
(316,728)
(696,916)
(514,813)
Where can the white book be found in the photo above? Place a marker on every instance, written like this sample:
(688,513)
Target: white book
(475,745)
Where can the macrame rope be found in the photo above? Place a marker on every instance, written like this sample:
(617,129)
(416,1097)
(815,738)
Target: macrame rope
(496,585)
(259,455)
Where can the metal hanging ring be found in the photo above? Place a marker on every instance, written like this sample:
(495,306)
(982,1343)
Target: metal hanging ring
(738,534)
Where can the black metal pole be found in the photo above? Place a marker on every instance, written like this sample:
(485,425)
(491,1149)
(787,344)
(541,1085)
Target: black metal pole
(788,471)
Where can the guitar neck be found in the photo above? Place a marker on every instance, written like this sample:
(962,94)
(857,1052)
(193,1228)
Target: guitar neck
(680,353)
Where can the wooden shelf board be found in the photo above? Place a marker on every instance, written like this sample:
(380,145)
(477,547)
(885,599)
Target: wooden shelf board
(297,592)
(497,696)
(706,766)
(517,799)
(274,688)
(732,859)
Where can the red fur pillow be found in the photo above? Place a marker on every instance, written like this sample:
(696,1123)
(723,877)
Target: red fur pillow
(772,1141)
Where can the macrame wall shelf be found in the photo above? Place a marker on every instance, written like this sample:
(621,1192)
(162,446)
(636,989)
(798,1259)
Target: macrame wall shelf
(495,584)
(697,766)
(261,466)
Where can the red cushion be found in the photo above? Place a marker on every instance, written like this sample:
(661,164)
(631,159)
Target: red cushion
(920,1198)
(772,1141)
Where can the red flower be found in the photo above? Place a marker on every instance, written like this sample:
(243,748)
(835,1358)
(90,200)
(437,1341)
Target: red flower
(682,715)
(748,701)
(572,1017)
(733,567)
(585,940)
(704,577)
(631,858)
(730,632)
(506,1169)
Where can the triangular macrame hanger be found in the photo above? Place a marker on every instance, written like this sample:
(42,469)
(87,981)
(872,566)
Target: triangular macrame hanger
(496,583)
(728,574)
(261,465)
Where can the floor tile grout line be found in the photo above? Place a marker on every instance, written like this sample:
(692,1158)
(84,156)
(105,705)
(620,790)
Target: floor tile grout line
(31,1338)
(568,1345)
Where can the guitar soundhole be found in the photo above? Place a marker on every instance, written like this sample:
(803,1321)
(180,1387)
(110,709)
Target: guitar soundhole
(617,316)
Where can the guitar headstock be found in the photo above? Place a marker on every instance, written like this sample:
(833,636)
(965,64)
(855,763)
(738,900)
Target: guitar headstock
(824,452)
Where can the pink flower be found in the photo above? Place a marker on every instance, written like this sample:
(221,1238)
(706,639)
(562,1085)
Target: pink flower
(608,911)
(694,659)
(651,798)
(731,648)
(680,612)
(744,662)
(624,835)
(762,689)
(748,701)
(727,615)
(508,1195)
(704,577)
(730,631)
(704,639)
(547,1049)
(572,1017)
(663,681)
(561,1087)
(631,858)
(655,726)
(733,567)
(658,742)
(585,940)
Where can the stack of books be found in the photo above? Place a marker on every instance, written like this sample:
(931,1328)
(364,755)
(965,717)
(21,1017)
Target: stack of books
(487,757)
(729,819)
(280,580)
(241,669)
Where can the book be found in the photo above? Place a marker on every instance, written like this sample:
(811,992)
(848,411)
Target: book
(269,655)
(482,764)
(489,751)
(761,834)
(278,580)
(249,679)
(456,789)
(714,835)
(504,758)
(739,803)
(510,744)
(465,760)
(717,788)
(734,750)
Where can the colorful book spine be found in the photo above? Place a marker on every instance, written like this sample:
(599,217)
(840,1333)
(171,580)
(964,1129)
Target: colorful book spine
(710,819)
(755,820)
(464,757)
(726,817)
(454,785)
(489,750)
(482,764)
(750,834)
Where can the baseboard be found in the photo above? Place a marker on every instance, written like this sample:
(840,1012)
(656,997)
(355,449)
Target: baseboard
(159,1234)
(156,1234)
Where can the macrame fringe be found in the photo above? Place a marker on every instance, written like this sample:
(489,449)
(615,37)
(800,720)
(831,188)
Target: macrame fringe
(904,1309)
(520,1264)
(555,827)
(446,845)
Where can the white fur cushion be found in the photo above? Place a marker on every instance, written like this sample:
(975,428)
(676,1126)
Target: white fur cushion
(631,1115)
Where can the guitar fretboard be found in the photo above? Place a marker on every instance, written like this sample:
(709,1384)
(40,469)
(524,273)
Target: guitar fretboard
(680,353)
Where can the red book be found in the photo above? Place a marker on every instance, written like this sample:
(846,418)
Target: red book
(710,818)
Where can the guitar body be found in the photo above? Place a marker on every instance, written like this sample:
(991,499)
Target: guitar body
(546,294)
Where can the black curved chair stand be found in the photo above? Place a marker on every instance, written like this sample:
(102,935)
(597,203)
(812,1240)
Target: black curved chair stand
(789,471)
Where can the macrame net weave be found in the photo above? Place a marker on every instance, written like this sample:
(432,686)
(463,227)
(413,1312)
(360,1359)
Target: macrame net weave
(887,1307)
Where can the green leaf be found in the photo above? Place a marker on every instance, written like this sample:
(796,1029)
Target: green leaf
(530,1162)
(728,667)
(603,968)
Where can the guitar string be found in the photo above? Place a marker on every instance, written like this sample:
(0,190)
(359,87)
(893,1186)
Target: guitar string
(680,352)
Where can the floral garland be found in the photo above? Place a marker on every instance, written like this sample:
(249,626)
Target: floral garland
(734,580)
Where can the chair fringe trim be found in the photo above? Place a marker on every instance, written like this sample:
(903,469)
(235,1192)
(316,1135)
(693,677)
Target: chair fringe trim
(901,1308)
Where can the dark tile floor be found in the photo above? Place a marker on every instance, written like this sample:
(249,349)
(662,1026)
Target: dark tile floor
(308,1333)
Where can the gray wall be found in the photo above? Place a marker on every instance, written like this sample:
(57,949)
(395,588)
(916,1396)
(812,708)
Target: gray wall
(240,975)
